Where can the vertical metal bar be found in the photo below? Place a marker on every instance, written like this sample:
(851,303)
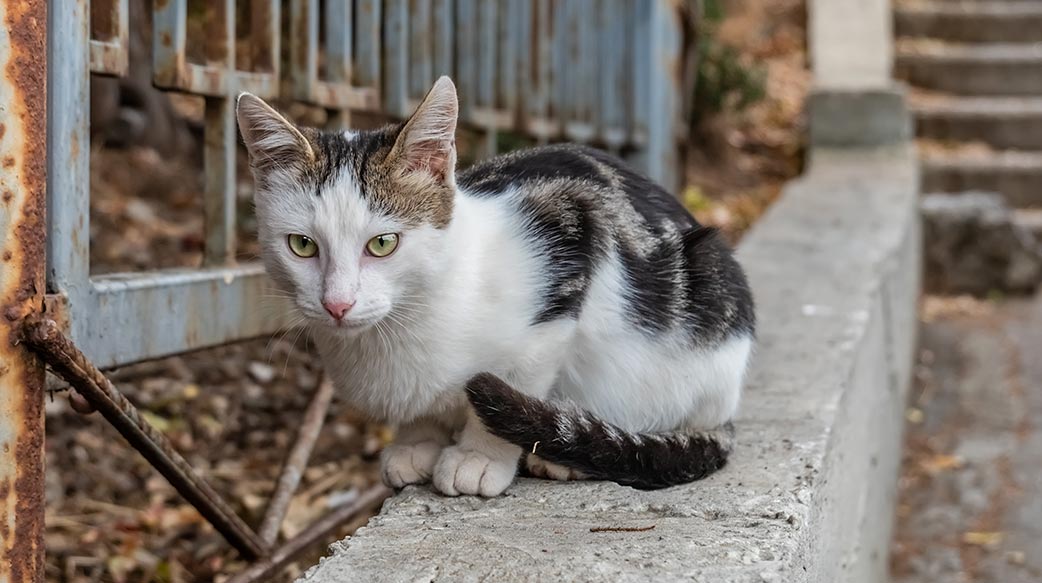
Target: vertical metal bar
(169,40)
(510,16)
(543,71)
(396,57)
(220,141)
(367,45)
(68,155)
(23,177)
(660,74)
(265,35)
(337,20)
(486,89)
(421,48)
(524,31)
(303,46)
(613,78)
(560,80)
(580,72)
(466,58)
(640,55)
(444,38)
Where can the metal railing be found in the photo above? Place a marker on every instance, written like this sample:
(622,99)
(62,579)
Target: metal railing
(598,71)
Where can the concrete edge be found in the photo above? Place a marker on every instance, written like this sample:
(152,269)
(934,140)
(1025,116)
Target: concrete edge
(859,117)
(810,492)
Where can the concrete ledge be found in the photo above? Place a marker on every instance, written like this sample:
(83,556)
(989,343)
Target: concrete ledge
(858,117)
(809,494)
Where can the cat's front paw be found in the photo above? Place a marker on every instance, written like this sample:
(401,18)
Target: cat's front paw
(406,464)
(469,472)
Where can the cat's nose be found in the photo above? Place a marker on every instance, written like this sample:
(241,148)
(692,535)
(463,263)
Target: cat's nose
(338,309)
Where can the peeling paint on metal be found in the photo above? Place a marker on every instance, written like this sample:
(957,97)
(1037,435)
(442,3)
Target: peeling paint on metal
(22,223)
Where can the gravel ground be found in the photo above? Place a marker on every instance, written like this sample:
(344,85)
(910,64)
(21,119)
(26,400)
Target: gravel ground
(970,506)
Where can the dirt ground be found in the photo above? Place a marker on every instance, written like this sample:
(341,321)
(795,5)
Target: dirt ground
(970,498)
(232,411)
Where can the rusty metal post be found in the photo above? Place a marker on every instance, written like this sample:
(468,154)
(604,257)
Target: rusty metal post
(23,159)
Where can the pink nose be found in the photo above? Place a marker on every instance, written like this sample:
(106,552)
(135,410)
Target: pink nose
(338,309)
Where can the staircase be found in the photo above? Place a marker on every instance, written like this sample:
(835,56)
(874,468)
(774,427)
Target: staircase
(975,71)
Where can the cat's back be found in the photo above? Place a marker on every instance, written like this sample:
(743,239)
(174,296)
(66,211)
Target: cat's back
(556,174)
(587,212)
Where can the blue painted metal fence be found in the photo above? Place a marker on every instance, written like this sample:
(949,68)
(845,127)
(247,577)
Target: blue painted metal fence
(598,71)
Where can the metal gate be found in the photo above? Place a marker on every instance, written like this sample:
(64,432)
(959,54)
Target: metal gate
(599,71)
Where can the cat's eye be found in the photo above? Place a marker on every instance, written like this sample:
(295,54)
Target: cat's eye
(302,246)
(382,245)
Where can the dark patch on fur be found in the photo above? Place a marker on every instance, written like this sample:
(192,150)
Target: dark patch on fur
(367,157)
(571,241)
(496,175)
(594,447)
(678,274)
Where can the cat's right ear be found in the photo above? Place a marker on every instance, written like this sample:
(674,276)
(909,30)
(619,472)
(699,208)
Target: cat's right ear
(272,141)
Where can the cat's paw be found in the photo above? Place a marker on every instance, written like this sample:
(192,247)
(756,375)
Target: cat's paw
(404,464)
(469,472)
(541,468)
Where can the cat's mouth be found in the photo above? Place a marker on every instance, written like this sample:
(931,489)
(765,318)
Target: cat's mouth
(353,325)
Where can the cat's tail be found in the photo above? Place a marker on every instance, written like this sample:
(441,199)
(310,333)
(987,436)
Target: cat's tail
(571,437)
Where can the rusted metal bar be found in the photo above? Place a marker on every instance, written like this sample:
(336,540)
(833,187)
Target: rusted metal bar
(110,37)
(269,567)
(297,460)
(44,337)
(23,177)
(332,88)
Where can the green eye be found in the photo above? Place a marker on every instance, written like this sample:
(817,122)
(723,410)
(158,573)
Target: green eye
(382,245)
(302,246)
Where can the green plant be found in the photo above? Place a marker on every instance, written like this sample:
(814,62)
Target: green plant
(723,81)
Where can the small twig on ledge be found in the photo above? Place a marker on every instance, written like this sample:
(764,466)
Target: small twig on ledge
(621,528)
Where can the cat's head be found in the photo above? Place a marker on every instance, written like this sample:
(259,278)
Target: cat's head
(353,225)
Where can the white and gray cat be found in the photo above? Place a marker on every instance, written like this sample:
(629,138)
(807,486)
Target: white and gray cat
(551,302)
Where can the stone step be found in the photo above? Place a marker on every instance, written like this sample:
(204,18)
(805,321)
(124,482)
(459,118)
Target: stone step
(1017,175)
(1002,122)
(971,69)
(980,21)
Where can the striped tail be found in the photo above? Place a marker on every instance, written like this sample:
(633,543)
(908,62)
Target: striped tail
(571,437)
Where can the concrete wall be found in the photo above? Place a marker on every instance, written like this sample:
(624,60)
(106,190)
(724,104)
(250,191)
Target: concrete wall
(809,494)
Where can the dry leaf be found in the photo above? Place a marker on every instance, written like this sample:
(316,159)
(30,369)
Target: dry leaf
(941,462)
(982,539)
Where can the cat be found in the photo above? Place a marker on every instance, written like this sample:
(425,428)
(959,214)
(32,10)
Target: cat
(551,302)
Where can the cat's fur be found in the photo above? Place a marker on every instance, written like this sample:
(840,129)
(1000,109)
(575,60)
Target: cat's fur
(593,324)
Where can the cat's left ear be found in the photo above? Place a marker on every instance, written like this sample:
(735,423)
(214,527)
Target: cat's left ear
(427,143)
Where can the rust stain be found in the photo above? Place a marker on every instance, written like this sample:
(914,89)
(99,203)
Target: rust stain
(8,195)
(74,145)
(22,284)
(166,39)
(3,130)
(7,255)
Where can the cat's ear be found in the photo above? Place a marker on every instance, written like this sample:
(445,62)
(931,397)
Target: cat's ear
(271,140)
(427,143)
